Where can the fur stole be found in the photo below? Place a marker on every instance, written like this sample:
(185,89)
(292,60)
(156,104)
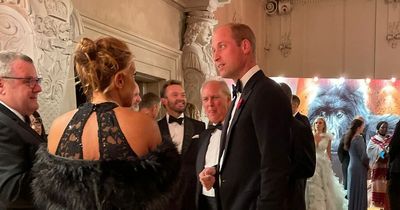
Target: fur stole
(146,183)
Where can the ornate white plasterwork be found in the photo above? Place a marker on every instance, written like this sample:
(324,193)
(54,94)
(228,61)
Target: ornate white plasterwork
(44,30)
(197,61)
(393,22)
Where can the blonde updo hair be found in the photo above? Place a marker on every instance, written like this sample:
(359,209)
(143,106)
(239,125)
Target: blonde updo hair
(96,62)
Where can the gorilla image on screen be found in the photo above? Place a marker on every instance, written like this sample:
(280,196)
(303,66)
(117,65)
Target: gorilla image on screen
(339,104)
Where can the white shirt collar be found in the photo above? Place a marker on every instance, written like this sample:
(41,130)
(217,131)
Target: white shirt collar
(14,111)
(246,77)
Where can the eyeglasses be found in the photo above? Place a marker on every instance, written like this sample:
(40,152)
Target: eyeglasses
(30,81)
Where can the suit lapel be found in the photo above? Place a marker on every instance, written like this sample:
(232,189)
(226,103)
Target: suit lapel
(27,133)
(225,137)
(205,140)
(164,130)
(188,131)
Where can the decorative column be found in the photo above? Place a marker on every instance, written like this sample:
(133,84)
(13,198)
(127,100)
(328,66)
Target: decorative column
(197,61)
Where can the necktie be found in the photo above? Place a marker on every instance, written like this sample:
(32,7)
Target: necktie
(236,88)
(177,120)
(213,127)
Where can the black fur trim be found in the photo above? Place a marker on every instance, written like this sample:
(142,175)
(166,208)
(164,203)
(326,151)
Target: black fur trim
(146,183)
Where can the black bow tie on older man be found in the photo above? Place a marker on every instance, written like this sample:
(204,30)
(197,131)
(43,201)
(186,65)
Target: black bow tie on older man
(213,127)
(177,120)
(236,88)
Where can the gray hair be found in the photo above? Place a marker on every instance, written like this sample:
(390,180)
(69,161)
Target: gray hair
(224,87)
(7,58)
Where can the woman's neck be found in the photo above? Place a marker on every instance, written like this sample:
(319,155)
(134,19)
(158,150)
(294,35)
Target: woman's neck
(101,98)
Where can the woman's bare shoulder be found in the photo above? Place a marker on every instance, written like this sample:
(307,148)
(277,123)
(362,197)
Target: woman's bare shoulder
(57,128)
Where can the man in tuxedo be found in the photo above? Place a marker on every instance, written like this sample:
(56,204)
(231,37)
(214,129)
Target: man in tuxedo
(19,89)
(216,98)
(184,132)
(136,97)
(254,167)
(150,105)
(302,154)
(295,110)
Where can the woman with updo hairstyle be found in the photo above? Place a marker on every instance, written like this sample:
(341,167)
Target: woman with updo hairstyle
(358,166)
(104,155)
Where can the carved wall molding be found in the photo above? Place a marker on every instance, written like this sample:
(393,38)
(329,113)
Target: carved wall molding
(393,22)
(44,30)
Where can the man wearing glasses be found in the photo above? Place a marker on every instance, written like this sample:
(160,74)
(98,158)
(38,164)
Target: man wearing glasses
(19,89)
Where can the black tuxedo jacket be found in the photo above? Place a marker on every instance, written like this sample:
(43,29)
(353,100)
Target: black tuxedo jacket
(303,163)
(254,170)
(201,155)
(304,119)
(186,198)
(18,144)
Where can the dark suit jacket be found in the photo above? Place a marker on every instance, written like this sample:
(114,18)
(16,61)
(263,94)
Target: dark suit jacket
(255,166)
(303,162)
(186,198)
(304,119)
(394,153)
(18,144)
(344,158)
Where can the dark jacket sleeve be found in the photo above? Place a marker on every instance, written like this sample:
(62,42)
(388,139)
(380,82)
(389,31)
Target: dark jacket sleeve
(340,150)
(303,150)
(15,168)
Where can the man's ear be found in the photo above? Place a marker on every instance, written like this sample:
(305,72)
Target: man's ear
(164,102)
(246,46)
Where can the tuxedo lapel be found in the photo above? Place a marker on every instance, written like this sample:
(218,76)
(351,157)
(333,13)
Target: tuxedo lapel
(188,131)
(164,130)
(27,133)
(241,105)
(205,140)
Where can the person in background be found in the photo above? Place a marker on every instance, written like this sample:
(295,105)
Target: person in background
(104,155)
(377,151)
(302,155)
(216,98)
(344,156)
(136,99)
(297,114)
(324,191)
(184,132)
(19,89)
(150,105)
(394,169)
(358,166)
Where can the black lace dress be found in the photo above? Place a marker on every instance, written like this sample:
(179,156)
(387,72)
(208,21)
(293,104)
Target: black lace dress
(118,180)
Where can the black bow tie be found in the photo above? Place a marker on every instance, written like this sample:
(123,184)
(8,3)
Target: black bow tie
(213,127)
(177,120)
(236,88)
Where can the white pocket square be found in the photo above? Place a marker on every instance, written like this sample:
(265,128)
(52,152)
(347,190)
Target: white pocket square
(196,136)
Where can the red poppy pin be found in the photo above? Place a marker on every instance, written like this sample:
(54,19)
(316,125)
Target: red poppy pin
(240,103)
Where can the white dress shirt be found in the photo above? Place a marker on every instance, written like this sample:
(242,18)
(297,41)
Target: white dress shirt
(176,132)
(212,155)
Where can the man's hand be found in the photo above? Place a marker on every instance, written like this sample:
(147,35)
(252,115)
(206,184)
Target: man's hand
(207,177)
